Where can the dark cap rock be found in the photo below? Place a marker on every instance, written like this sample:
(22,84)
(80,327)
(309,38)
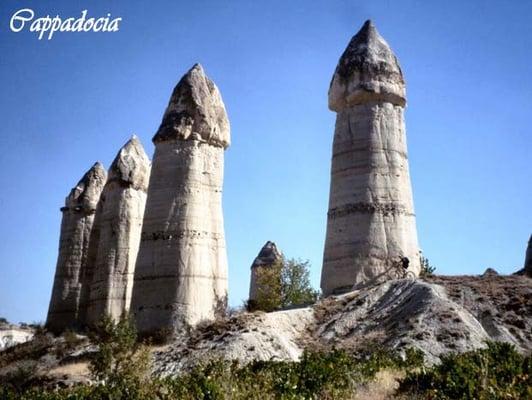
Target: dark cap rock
(268,255)
(367,71)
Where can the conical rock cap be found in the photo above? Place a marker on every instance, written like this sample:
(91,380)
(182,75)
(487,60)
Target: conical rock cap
(86,194)
(268,255)
(367,71)
(195,111)
(131,165)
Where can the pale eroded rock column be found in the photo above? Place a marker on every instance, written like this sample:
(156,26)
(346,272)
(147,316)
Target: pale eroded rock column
(120,224)
(181,271)
(371,223)
(76,228)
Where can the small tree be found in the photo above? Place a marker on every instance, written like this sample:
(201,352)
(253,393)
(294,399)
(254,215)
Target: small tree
(283,284)
(120,362)
(295,284)
(426,268)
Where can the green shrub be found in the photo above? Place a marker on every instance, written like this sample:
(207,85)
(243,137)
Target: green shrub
(426,268)
(318,375)
(496,372)
(295,281)
(120,361)
(283,284)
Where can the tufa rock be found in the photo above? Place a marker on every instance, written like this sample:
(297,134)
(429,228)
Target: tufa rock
(181,270)
(490,272)
(452,314)
(268,256)
(76,229)
(371,222)
(120,224)
(367,70)
(195,111)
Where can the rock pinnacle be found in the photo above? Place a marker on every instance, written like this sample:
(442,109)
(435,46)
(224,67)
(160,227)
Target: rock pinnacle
(195,111)
(367,70)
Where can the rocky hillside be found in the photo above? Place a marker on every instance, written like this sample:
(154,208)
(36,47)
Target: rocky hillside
(438,315)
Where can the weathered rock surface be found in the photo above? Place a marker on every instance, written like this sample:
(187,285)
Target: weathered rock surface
(442,315)
(195,111)
(120,224)
(248,337)
(371,221)
(11,335)
(501,303)
(454,315)
(181,270)
(52,361)
(268,256)
(76,229)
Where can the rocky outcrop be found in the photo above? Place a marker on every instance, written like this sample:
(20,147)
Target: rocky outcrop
(268,256)
(76,229)
(181,270)
(528,258)
(449,314)
(120,223)
(11,335)
(370,223)
(445,314)
(248,337)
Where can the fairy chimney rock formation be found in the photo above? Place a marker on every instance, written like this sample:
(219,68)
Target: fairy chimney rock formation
(371,223)
(528,258)
(120,224)
(268,256)
(76,228)
(181,270)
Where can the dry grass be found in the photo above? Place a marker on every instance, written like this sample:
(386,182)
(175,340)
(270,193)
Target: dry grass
(75,369)
(382,388)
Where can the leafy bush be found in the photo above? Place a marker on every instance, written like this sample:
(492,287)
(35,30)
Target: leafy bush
(283,284)
(295,281)
(120,361)
(318,375)
(497,372)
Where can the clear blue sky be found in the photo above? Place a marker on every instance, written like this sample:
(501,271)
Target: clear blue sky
(68,102)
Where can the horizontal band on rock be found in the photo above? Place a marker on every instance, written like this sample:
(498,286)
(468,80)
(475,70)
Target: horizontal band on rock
(368,208)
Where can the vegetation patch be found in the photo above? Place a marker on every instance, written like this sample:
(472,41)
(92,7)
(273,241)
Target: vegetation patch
(120,369)
(496,372)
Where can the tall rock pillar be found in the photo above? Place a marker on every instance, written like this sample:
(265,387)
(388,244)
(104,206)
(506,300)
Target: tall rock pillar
(76,229)
(120,223)
(181,271)
(371,223)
